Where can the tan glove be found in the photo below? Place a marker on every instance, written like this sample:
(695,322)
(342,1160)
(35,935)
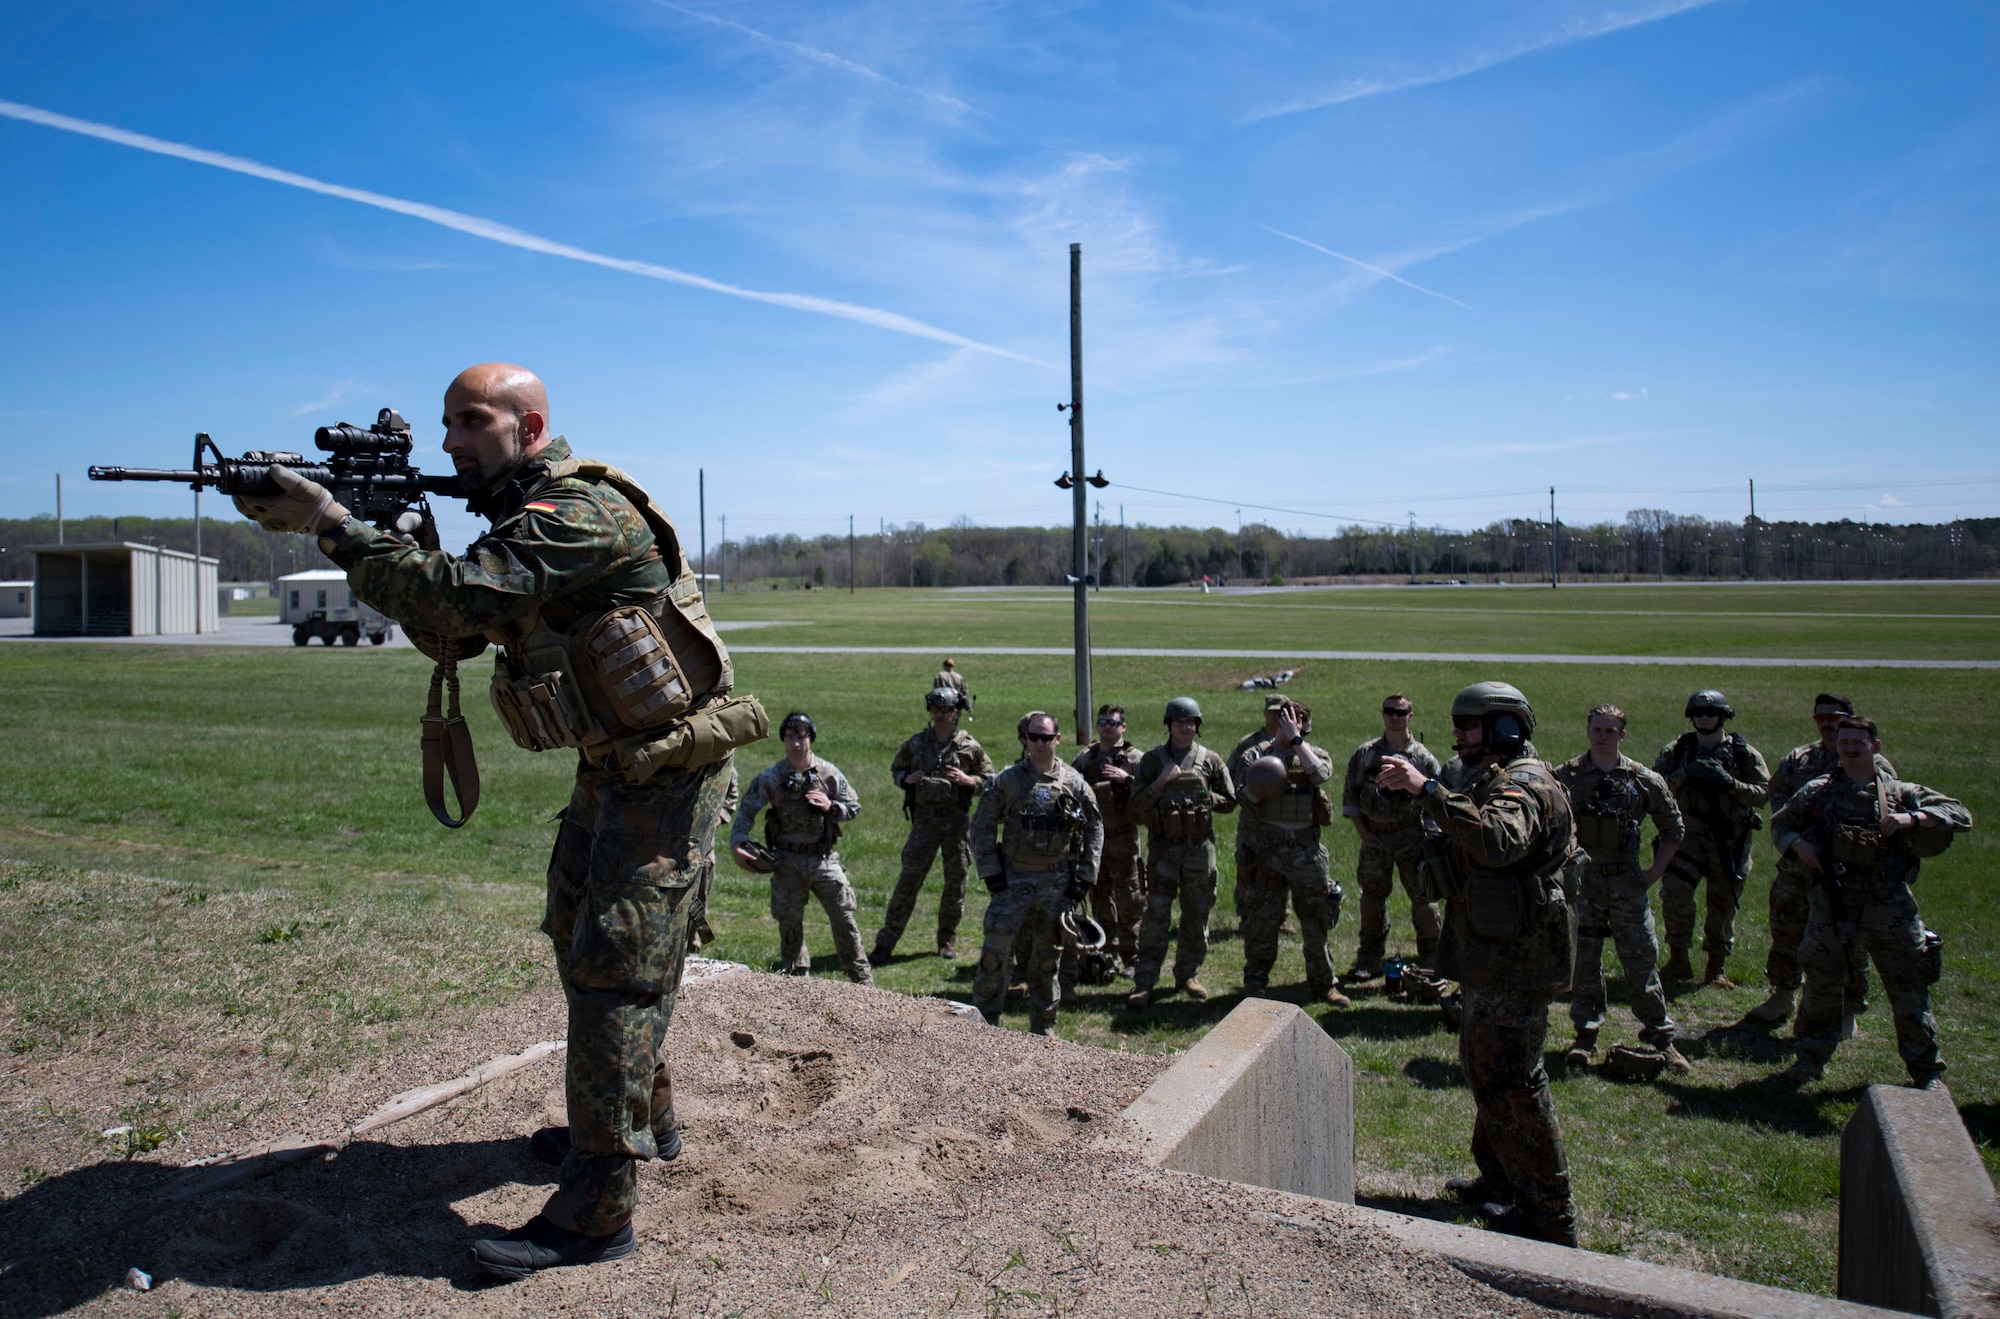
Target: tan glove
(300,505)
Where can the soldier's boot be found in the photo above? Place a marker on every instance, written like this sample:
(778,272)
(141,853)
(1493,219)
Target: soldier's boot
(1802,1071)
(1518,1222)
(1331,994)
(1070,998)
(1193,988)
(1677,1062)
(1927,1081)
(1677,968)
(550,1145)
(1715,973)
(1477,1191)
(540,1244)
(1139,998)
(881,953)
(948,950)
(1362,971)
(1581,1050)
(1776,1009)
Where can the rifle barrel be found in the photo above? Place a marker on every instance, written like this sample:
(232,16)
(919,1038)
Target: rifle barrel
(206,475)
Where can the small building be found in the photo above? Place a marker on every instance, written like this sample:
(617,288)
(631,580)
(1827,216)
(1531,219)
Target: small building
(122,589)
(17,599)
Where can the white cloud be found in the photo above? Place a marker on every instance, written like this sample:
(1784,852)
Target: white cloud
(337,394)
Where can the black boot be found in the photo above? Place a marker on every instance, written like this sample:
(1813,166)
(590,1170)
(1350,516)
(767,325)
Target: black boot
(550,1145)
(540,1244)
(1518,1222)
(1477,1191)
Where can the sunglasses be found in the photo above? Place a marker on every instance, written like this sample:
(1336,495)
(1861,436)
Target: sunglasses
(1463,722)
(1395,713)
(1042,737)
(1111,723)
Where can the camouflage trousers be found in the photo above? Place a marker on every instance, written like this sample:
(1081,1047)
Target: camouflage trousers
(1298,871)
(1184,873)
(1617,905)
(803,874)
(621,884)
(1791,888)
(1117,902)
(1375,874)
(1726,870)
(1889,930)
(1030,907)
(933,835)
(1516,1140)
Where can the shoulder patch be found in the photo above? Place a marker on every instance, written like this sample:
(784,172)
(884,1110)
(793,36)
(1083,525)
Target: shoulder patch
(541,505)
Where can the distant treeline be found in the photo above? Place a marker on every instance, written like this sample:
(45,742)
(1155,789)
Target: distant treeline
(245,551)
(1650,544)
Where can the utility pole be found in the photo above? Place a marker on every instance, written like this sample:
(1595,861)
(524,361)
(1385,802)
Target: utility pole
(1076,551)
(850,554)
(1553,572)
(701,504)
(1124,548)
(1750,548)
(881,551)
(1413,548)
(1239,544)
(722,576)
(59,524)
(1098,576)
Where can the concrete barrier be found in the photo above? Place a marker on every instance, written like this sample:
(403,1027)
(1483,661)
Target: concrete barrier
(1919,1220)
(1265,1098)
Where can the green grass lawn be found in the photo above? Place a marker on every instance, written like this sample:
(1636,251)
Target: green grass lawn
(281,787)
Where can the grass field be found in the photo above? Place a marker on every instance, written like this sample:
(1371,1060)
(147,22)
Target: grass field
(241,832)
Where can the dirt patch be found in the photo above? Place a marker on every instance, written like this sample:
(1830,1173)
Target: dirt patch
(865,1153)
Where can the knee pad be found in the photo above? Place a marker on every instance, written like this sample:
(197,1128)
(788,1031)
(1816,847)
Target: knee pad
(991,961)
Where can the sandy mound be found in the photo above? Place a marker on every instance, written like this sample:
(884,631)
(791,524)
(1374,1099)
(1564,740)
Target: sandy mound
(849,1151)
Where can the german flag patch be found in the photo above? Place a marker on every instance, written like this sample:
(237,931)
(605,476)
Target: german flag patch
(542,504)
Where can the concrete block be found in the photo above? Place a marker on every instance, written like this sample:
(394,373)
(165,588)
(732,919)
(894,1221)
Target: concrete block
(1919,1220)
(1265,1098)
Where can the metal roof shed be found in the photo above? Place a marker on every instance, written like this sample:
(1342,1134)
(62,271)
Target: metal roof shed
(122,589)
(17,599)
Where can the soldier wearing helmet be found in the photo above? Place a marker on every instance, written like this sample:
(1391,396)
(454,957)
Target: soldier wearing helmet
(1182,786)
(808,799)
(940,769)
(1506,940)
(1719,780)
(1390,826)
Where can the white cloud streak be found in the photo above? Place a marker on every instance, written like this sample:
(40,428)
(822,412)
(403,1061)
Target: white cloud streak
(814,55)
(1371,269)
(1577,29)
(337,394)
(494,231)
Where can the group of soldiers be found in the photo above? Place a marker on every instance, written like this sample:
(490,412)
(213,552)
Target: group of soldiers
(1518,871)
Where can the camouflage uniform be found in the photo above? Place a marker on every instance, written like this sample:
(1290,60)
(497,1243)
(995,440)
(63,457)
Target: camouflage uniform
(1045,861)
(1396,820)
(700,933)
(1612,901)
(1506,940)
(1180,855)
(1288,862)
(1792,885)
(803,838)
(1119,899)
(564,547)
(1720,822)
(1874,909)
(938,824)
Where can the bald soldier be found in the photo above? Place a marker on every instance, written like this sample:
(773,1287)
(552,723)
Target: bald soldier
(579,567)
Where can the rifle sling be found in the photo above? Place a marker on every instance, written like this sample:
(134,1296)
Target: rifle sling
(447,746)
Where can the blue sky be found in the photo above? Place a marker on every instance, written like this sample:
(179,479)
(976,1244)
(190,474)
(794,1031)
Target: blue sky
(1359,260)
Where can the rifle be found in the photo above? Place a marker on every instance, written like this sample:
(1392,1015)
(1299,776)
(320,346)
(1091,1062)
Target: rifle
(371,474)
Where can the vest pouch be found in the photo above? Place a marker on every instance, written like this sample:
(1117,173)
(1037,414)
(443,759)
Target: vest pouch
(640,677)
(535,695)
(1437,868)
(700,737)
(1600,835)
(1294,807)
(1930,959)
(1322,808)
(937,793)
(1856,846)
(1495,906)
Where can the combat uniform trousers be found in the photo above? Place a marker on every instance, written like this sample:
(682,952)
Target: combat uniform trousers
(1183,872)
(1298,869)
(1119,899)
(1515,1139)
(1889,930)
(1613,903)
(621,888)
(945,835)
(1031,905)
(798,875)
(1395,852)
(1722,871)
(1791,889)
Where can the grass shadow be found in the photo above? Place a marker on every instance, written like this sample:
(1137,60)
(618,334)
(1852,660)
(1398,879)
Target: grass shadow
(1748,1040)
(1762,1101)
(1381,1021)
(1441,1209)
(1435,1073)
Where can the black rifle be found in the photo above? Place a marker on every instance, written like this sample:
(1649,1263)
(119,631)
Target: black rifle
(370,473)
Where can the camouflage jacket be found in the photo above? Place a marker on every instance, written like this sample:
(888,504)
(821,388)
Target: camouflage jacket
(794,821)
(1310,770)
(1362,799)
(1512,834)
(1184,810)
(1456,776)
(1610,806)
(1114,800)
(923,754)
(1051,823)
(1843,819)
(1710,809)
(1802,765)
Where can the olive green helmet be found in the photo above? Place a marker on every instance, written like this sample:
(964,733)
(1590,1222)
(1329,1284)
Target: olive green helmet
(1505,718)
(943,698)
(1707,701)
(1183,707)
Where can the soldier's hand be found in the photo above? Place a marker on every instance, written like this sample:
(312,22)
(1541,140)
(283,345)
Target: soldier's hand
(1113,774)
(1895,824)
(298,506)
(913,778)
(960,778)
(1399,775)
(1288,728)
(1712,772)
(1171,773)
(1651,874)
(741,854)
(1807,854)
(818,800)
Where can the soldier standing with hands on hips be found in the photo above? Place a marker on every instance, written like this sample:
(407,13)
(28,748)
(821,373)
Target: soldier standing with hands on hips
(1506,941)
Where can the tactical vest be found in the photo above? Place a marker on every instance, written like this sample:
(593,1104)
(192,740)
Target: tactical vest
(1385,812)
(1044,829)
(1184,812)
(934,794)
(1609,817)
(1114,800)
(610,679)
(793,824)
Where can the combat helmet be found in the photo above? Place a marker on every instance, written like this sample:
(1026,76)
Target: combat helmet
(803,720)
(1183,707)
(1708,700)
(942,698)
(1505,718)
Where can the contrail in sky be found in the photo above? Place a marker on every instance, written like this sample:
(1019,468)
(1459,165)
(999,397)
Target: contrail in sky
(814,54)
(494,231)
(1357,261)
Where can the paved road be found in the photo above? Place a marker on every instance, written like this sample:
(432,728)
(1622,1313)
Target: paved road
(1453,657)
(255,630)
